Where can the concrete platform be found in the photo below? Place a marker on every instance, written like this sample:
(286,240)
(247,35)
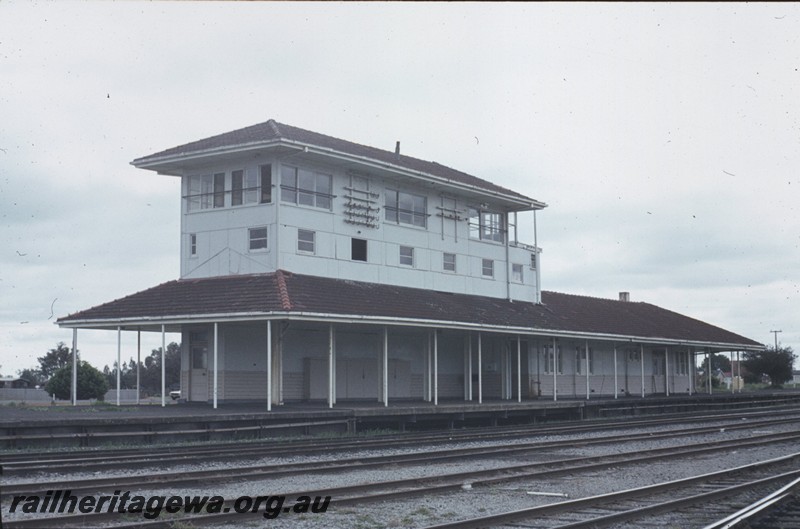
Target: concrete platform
(32,426)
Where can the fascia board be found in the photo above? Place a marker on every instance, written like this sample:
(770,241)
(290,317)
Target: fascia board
(619,339)
(155,163)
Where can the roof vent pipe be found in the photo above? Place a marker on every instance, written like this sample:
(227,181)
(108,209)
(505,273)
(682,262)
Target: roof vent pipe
(397,149)
(625,296)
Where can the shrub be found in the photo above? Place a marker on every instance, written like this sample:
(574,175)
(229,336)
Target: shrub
(91,383)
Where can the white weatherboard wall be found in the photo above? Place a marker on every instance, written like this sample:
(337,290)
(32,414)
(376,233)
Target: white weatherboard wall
(222,240)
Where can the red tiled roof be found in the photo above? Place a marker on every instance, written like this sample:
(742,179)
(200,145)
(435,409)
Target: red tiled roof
(284,292)
(271,131)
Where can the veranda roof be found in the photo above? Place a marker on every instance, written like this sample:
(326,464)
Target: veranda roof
(285,295)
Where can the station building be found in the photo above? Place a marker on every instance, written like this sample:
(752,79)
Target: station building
(318,269)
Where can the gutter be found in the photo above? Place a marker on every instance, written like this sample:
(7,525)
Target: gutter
(523,201)
(619,339)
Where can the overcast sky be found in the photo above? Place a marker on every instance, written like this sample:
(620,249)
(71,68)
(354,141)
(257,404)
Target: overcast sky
(664,138)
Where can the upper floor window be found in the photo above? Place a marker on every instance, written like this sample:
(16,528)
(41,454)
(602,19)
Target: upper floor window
(258,238)
(193,244)
(305,241)
(407,255)
(516,272)
(406,208)
(219,190)
(249,187)
(201,192)
(487,268)
(449,262)
(485,225)
(533,261)
(246,187)
(358,249)
(304,187)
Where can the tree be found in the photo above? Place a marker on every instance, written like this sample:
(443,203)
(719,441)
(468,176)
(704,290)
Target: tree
(719,362)
(33,376)
(54,360)
(91,382)
(776,364)
(149,371)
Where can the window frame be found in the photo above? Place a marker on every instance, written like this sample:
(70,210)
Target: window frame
(490,267)
(580,359)
(550,358)
(445,263)
(237,188)
(395,214)
(483,226)
(301,241)
(219,190)
(198,349)
(252,239)
(293,192)
(407,255)
(265,194)
(353,242)
(192,245)
(200,192)
(517,267)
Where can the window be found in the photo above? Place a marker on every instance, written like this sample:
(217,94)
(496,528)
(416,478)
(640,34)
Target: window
(304,187)
(580,360)
(682,364)
(405,208)
(193,244)
(198,348)
(485,225)
(407,255)
(533,261)
(658,362)
(219,190)
(549,360)
(516,272)
(258,238)
(488,268)
(200,192)
(266,184)
(237,179)
(449,262)
(358,250)
(305,241)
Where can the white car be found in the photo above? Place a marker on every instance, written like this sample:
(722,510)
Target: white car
(175,394)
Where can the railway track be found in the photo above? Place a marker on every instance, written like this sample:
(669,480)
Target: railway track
(104,460)
(613,509)
(780,508)
(404,488)
(250,473)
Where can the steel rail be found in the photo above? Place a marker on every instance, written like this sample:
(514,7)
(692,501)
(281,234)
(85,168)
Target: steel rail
(572,506)
(107,459)
(249,473)
(411,487)
(756,508)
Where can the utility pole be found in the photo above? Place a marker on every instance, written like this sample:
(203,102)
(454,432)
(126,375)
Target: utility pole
(776,339)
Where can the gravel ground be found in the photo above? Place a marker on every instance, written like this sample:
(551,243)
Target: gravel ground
(466,503)
(418,449)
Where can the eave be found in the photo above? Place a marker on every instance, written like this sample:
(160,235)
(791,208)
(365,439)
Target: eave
(174,165)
